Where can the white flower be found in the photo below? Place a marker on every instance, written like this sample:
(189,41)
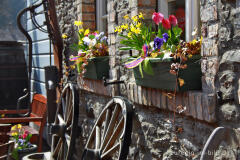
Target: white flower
(92,42)
(86,40)
(151,44)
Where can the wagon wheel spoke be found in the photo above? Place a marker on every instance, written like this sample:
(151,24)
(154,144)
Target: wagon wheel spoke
(110,151)
(111,125)
(60,153)
(107,120)
(56,150)
(68,139)
(116,134)
(65,124)
(61,120)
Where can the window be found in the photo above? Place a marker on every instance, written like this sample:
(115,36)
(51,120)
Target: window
(101,15)
(186,11)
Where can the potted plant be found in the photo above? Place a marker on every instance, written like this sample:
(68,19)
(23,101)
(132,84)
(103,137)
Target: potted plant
(22,142)
(164,61)
(92,60)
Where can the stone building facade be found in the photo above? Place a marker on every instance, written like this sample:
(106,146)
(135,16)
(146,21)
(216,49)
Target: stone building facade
(154,134)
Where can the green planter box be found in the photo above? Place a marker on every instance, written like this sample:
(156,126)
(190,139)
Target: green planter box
(162,79)
(97,68)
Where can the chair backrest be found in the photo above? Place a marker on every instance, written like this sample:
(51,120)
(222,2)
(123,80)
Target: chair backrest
(4,129)
(6,150)
(39,108)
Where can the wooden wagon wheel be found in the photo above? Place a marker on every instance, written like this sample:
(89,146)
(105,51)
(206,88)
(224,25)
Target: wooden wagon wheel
(111,135)
(227,136)
(65,126)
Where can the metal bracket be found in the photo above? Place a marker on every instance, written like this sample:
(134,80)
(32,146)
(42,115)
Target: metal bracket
(105,83)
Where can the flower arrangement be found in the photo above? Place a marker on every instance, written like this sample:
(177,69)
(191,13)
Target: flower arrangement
(90,44)
(150,44)
(21,138)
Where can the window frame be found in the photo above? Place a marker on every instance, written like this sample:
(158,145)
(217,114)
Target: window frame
(101,15)
(192,15)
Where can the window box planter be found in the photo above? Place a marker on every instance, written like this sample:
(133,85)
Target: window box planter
(97,68)
(162,79)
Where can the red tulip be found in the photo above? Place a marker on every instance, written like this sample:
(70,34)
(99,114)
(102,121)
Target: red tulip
(173,20)
(157,17)
(166,24)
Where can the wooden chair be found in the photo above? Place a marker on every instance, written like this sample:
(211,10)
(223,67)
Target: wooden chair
(6,147)
(37,118)
(6,150)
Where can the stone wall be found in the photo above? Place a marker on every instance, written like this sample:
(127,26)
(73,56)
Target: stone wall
(158,132)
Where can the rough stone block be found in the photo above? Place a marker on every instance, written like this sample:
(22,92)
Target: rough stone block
(209,48)
(208,13)
(112,39)
(208,85)
(111,28)
(209,66)
(112,16)
(212,31)
(112,50)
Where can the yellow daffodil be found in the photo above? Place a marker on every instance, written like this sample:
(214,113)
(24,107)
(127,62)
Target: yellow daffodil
(126,16)
(80,42)
(81,30)
(64,36)
(86,32)
(138,24)
(140,16)
(78,23)
(13,128)
(118,29)
(135,18)
(124,26)
(19,126)
(137,30)
(129,34)
(14,134)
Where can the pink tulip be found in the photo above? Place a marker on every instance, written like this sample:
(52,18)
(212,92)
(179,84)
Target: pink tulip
(173,20)
(157,17)
(166,24)
(24,136)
